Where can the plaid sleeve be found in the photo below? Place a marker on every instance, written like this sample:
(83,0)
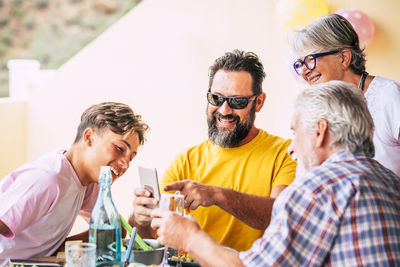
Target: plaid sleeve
(301,233)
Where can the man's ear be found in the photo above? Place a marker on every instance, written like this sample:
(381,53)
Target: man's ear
(321,132)
(88,136)
(260,101)
(346,57)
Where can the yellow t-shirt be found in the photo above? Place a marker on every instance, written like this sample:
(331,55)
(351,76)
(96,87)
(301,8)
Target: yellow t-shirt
(254,168)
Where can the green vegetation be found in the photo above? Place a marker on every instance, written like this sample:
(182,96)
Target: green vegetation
(138,239)
(52,31)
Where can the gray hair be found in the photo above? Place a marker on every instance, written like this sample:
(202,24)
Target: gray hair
(329,33)
(344,107)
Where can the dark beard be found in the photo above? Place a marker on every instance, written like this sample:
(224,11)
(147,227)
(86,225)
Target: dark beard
(230,139)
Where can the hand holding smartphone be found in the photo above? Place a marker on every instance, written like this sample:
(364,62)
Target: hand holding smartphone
(149,180)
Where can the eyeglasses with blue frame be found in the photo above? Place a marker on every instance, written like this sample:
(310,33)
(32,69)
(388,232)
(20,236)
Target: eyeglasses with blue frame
(310,61)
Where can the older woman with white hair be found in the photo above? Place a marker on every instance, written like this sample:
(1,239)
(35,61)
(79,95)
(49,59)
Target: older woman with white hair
(328,49)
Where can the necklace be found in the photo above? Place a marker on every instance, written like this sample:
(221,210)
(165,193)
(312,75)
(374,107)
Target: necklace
(364,75)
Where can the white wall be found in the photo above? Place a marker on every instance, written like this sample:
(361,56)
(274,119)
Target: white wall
(156,59)
(13,148)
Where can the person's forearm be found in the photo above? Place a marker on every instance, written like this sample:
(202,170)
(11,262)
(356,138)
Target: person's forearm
(144,231)
(253,210)
(3,228)
(208,252)
(398,139)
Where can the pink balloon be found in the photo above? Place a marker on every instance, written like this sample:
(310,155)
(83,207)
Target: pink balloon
(362,24)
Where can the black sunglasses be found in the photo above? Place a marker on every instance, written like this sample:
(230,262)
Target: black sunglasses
(235,102)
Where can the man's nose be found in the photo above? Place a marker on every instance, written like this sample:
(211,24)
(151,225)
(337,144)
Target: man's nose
(225,109)
(124,163)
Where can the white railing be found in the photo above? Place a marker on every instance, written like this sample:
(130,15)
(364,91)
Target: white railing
(24,76)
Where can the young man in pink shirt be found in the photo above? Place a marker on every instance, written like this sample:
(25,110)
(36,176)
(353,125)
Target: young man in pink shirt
(41,199)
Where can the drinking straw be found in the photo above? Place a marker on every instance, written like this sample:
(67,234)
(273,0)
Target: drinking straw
(128,253)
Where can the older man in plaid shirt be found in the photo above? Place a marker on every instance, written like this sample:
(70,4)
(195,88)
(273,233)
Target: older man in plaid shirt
(343,208)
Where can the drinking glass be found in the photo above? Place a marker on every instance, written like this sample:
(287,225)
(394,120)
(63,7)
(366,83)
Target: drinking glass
(80,254)
(172,202)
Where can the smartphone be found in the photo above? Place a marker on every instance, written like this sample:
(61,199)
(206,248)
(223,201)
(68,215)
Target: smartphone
(149,180)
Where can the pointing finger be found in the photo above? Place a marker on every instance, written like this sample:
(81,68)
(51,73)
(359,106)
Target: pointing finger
(177,186)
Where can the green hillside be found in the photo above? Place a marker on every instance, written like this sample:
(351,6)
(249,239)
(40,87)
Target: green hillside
(52,31)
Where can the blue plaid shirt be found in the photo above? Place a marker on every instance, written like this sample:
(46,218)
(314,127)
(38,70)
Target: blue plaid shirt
(345,212)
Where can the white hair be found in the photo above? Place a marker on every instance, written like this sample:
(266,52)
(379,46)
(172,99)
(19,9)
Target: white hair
(328,33)
(344,107)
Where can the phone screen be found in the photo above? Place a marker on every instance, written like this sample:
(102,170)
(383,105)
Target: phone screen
(149,180)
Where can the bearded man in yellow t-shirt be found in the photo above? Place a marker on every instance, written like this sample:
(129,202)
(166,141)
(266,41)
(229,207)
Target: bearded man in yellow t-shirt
(231,180)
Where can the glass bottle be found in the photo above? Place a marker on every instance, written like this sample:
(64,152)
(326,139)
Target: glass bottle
(105,225)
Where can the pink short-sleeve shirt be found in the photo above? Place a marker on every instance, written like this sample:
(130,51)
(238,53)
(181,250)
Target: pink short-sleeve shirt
(39,203)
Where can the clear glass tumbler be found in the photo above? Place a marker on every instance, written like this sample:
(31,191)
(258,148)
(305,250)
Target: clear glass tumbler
(173,202)
(80,255)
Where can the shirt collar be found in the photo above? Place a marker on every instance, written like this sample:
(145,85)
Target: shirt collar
(343,155)
(339,156)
